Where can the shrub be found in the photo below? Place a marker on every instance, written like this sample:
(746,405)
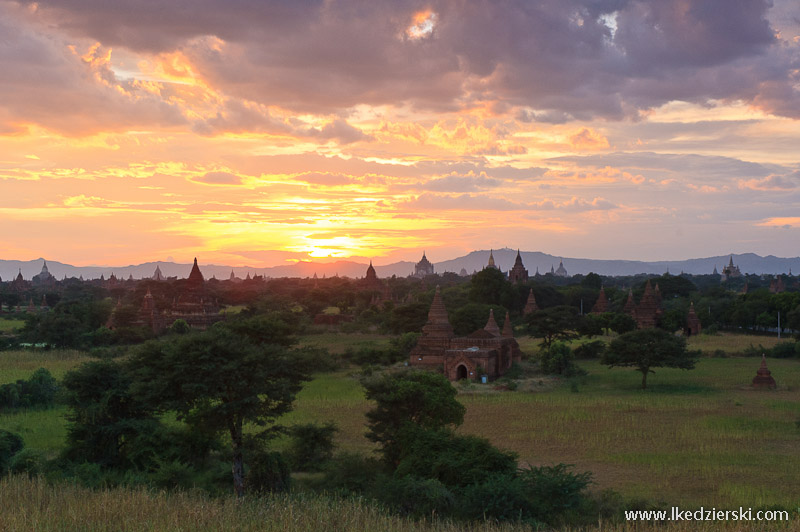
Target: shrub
(29,461)
(10,444)
(454,460)
(403,344)
(269,472)
(415,496)
(514,372)
(312,445)
(500,496)
(39,390)
(785,350)
(590,350)
(558,360)
(173,474)
(372,355)
(554,490)
(350,473)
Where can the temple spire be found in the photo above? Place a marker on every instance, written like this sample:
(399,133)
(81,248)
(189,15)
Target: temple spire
(491,325)
(508,331)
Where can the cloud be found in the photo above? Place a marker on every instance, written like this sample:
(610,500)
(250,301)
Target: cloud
(461,183)
(556,59)
(773,183)
(482,202)
(219,178)
(68,89)
(338,130)
(692,165)
(587,139)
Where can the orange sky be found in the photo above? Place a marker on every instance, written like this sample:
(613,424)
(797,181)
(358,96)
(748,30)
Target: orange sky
(256,132)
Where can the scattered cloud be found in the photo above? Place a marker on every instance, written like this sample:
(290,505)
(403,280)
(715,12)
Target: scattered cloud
(219,178)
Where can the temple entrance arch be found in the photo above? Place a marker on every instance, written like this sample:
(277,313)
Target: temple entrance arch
(461,372)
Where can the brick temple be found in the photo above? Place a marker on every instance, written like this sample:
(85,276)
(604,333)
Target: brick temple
(489,351)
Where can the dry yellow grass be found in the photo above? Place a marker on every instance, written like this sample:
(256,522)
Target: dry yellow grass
(33,505)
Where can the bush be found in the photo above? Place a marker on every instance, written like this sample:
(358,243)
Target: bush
(312,445)
(10,444)
(27,461)
(350,473)
(785,350)
(39,390)
(372,356)
(404,343)
(173,474)
(514,372)
(500,497)
(590,350)
(415,496)
(269,472)
(558,360)
(554,491)
(454,460)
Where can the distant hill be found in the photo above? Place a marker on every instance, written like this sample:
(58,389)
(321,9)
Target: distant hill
(474,261)
(504,258)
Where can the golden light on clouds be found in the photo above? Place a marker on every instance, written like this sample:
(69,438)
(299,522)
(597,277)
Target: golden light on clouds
(422,25)
(380,131)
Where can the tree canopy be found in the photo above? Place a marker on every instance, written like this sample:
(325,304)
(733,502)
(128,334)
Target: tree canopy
(645,349)
(218,380)
(406,402)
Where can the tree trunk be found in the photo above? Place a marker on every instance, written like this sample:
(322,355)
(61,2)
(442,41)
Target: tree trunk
(644,378)
(238,459)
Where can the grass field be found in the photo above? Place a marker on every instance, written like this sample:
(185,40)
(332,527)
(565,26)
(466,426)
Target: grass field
(20,364)
(7,326)
(699,437)
(337,343)
(35,505)
(731,344)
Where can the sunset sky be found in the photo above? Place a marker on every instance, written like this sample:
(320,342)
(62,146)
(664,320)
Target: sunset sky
(252,132)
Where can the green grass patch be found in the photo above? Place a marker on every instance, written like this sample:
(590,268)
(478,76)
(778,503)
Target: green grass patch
(697,437)
(10,326)
(21,363)
(337,343)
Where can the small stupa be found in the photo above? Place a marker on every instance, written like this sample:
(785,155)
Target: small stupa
(763,378)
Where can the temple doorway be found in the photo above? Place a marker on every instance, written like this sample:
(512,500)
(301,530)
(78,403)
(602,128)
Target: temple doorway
(461,372)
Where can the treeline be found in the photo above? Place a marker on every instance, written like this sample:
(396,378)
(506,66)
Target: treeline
(79,312)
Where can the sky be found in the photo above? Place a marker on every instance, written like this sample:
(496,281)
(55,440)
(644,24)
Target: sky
(256,132)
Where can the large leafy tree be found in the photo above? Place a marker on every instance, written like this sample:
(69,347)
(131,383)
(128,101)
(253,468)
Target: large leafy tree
(219,380)
(405,403)
(645,349)
(554,323)
(104,418)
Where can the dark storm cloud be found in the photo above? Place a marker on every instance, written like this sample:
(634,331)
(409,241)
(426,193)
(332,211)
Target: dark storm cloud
(560,58)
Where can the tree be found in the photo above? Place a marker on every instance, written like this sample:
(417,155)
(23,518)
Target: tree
(218,380)
(558,359)
(472,317)
(489,286)
(312,445)
(649,348)
(554,323)
(620,322)
(406,402)
(104,418)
